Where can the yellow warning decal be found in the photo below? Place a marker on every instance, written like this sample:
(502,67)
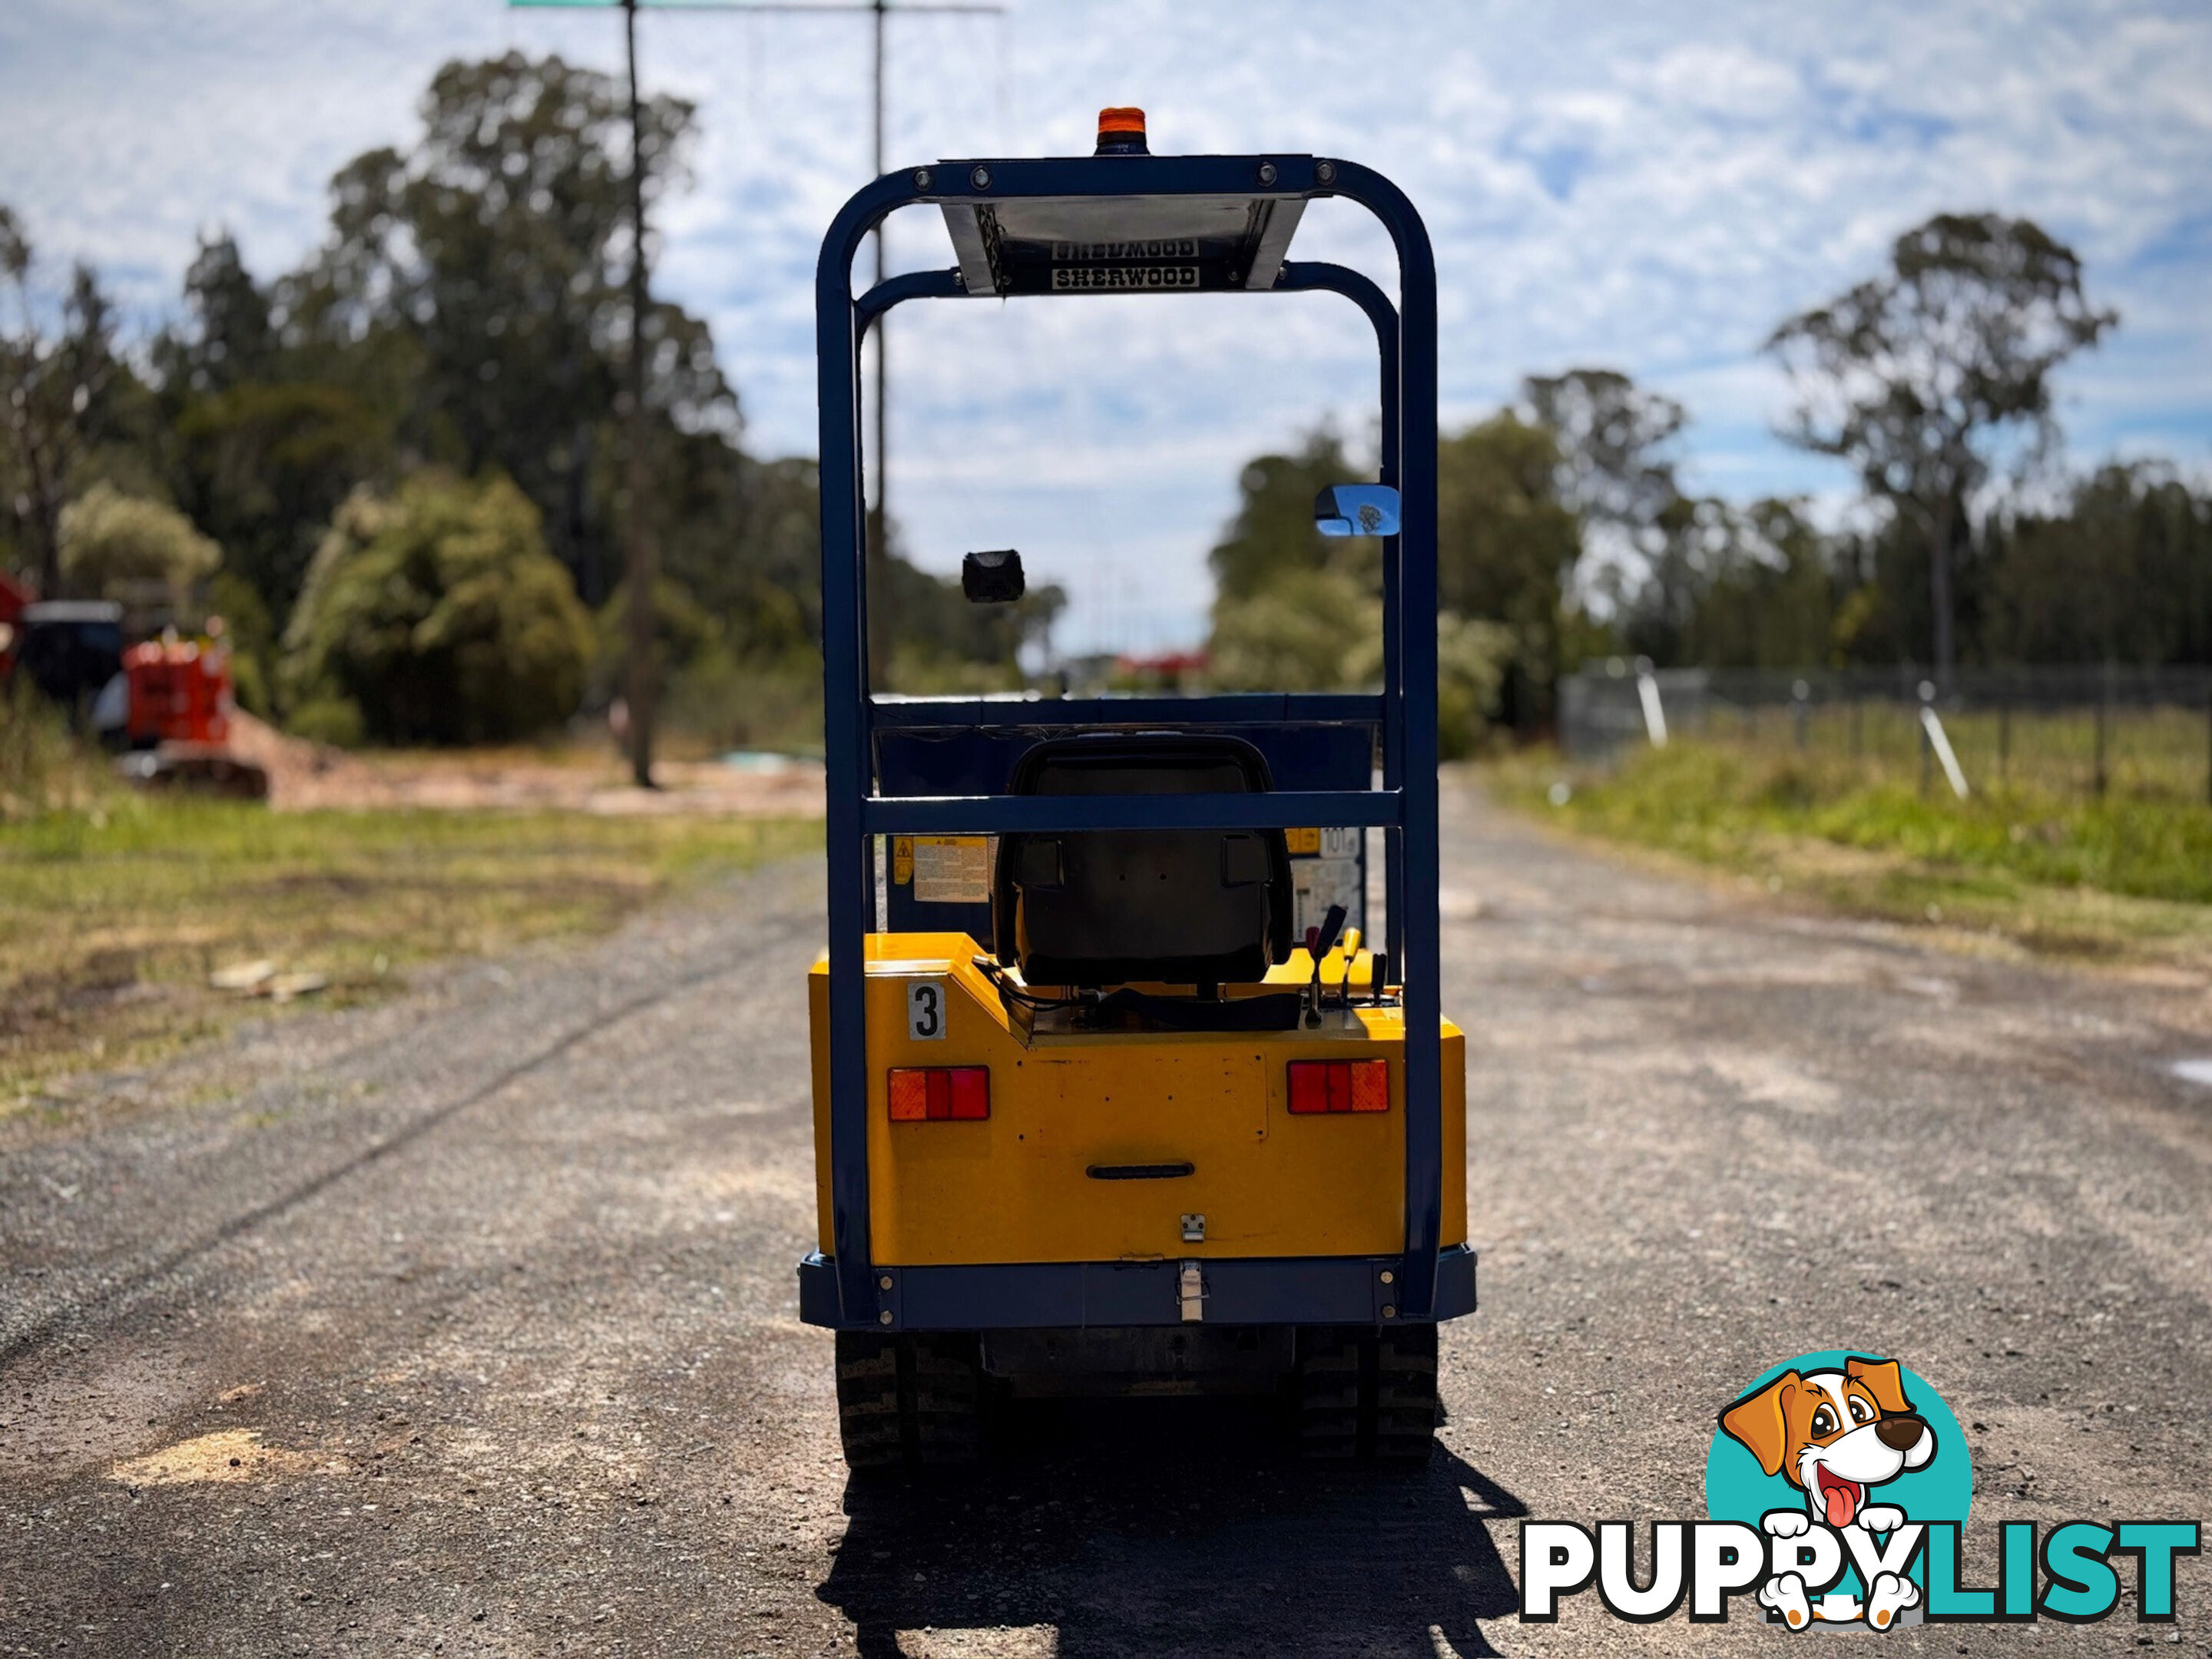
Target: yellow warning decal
(1303,841)
(952,869)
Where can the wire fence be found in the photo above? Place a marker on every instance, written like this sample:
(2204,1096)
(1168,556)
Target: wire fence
(2142,732)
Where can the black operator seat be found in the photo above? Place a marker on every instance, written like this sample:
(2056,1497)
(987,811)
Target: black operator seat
(1177,907)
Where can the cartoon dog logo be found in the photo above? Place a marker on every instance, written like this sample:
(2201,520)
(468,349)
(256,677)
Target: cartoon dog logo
(1835,1435)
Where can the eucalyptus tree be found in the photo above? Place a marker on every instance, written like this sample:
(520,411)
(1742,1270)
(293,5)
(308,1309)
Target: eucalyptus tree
(1922,377)
(57,388)
(494,253)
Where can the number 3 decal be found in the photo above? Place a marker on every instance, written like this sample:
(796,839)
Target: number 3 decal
(925,1011)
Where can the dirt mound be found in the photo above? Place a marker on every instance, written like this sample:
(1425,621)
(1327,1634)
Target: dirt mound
(306,776)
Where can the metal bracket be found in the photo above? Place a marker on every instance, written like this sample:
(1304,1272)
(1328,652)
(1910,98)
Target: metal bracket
(1194,1230)
(1191,1287)
(1387,1288)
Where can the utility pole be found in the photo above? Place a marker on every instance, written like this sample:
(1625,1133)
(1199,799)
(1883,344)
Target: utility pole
(878,536)
(639,563)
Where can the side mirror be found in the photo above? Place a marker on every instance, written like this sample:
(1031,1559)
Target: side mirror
(992,578)
(1357,510)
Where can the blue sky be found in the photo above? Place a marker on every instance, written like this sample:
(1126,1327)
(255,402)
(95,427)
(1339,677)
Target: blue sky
(1639,186)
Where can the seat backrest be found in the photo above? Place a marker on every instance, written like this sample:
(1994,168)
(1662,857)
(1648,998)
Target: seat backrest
(1178,906)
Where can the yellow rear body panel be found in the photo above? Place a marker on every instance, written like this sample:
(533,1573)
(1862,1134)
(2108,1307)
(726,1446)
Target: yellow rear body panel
(1017,1188)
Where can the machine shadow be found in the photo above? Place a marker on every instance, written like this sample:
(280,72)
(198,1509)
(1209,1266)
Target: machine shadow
(1156,1526)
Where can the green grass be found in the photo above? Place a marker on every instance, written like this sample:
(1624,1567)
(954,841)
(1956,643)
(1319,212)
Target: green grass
(2129,873)
(114,911)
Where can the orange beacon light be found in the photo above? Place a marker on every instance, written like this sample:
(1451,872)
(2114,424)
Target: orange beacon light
(1121,132)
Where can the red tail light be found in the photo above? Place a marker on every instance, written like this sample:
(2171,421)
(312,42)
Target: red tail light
(1339,1086)
(933,1094)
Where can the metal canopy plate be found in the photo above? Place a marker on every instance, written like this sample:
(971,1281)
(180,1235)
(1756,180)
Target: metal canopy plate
(1121,244)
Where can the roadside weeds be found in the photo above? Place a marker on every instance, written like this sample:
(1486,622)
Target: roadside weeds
(114,920)
(2013,872)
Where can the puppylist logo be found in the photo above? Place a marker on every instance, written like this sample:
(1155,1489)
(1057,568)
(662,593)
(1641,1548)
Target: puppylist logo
(1838,1487)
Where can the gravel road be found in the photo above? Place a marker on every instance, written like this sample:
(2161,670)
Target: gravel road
(466,1325)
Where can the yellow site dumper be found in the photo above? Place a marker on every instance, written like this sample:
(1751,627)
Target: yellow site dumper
(1113,1091)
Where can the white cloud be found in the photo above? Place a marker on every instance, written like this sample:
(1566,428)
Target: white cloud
(1721,79)
(1643,187)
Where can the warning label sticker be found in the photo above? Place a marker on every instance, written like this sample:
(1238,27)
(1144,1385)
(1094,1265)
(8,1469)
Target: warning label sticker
(1317,884)
(952,869)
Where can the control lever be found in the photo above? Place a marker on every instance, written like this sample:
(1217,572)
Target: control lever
(1320,941)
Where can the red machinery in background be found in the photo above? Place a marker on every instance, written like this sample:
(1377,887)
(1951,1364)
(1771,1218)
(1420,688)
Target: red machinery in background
(166,701)
(177,718)
(179,692)
(14,599)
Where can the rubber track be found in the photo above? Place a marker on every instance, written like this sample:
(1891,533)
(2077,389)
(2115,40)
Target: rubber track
(1405,1409)
(1328,1384)
(909,1401)
(869,1420)
(945,1425)
(1367,1394)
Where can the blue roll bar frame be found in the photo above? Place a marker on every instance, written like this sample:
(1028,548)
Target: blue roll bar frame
(1405,807)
